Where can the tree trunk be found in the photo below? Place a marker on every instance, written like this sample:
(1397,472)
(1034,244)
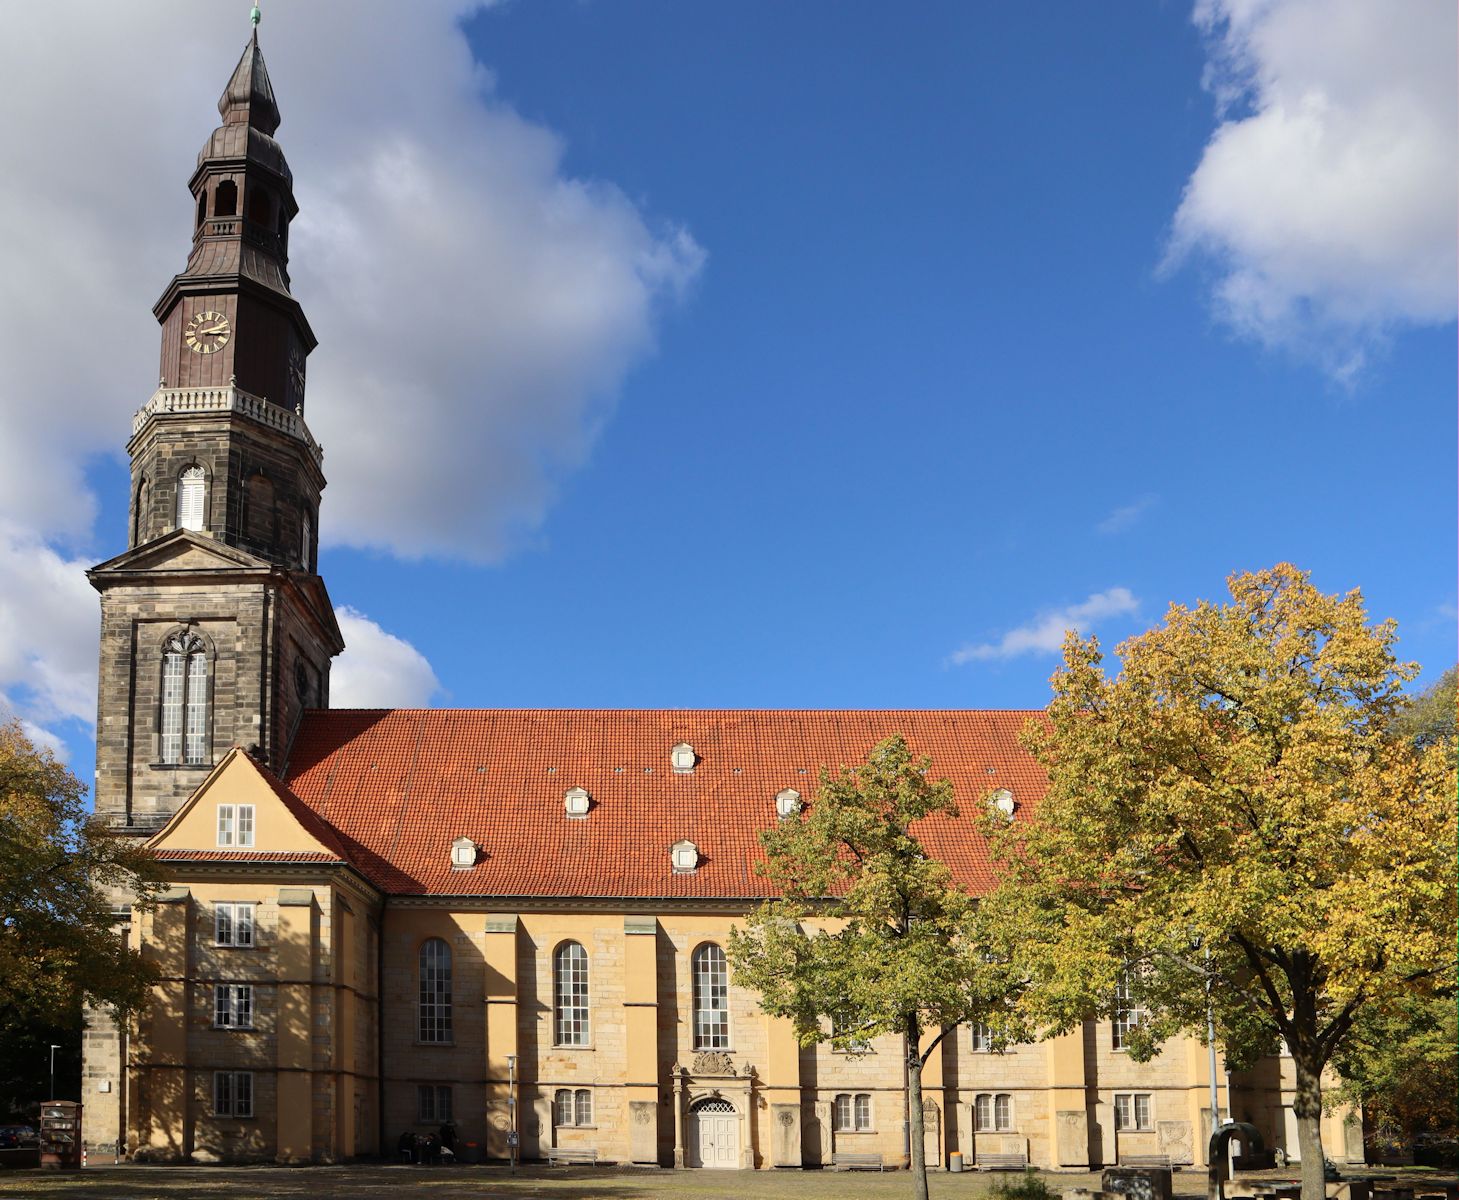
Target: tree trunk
(916,1125)
(1307,1108)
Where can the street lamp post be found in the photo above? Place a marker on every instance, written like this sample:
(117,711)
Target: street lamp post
(54,1048)
(512,1111)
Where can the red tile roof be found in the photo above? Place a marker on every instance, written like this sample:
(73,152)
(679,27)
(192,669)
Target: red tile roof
(251,856)
(400,784)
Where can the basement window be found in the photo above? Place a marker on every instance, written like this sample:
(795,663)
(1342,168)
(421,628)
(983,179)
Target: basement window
(463,854)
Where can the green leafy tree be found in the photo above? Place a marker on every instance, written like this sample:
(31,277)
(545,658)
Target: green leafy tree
(1402,1063)
(59,866)
(1232,819)
(884,925)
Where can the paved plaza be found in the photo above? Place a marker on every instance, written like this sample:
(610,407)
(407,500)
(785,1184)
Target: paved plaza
(483,1183)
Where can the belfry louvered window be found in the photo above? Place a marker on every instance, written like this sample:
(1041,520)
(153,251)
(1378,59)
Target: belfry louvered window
(192,490)
(570,991)
(435,991)
(711,999)
(184,723)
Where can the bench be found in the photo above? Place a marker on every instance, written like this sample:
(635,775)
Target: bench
(842,1161)
(1001,1162)
(562,1156)
(1145,1160)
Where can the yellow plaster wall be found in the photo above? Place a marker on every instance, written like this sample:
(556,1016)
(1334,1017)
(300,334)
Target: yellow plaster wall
(237,781)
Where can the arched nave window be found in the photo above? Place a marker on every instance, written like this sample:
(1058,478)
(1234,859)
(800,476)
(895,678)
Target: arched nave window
(711,999)
(570,995)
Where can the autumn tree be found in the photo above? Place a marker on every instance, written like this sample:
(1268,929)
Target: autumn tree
(866,939)
(1401,1063)
(59,866)
(1232,819)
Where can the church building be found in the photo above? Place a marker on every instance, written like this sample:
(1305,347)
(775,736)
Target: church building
(514,921)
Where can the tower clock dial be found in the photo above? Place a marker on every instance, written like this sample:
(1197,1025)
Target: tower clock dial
(296,375)
(207,332)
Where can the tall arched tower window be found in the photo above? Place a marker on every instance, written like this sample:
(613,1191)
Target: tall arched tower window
(139,513)
(711,999)
(570,991)
(184,700)
(192,491)
(435,991)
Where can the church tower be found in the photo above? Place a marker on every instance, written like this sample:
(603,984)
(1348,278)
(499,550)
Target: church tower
(215,628)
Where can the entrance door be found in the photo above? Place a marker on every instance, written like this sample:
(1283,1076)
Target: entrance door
(719,1135)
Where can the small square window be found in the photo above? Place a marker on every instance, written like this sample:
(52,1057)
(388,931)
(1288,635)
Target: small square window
(233,924)
(233,1093)
(233,1005)
(1133,1112)
(432,1104)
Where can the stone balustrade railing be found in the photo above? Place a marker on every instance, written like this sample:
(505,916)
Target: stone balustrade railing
(227,399)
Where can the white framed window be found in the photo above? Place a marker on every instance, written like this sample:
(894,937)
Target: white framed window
(235,825)
(1133,1112)
(572,1107)
(232,924)
(183,721)
(852,1112)
(787,804)
(684,856)
(570,995)
(233,1093)
(683,758)
(463,853)
(192,492)
(845,1025)
(993,1112)
(577,801)
(1126,1015)
(711,999)
(435,991)
(432,1103)
(233,1005)
(982,1039)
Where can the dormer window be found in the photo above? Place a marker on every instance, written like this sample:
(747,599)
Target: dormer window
(1002,800)
(787,804)
(685,857)
(463,854)
(577,802)
(683,758)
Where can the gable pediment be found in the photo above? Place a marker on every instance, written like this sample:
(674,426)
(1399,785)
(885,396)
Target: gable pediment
(281,824)
(182,550)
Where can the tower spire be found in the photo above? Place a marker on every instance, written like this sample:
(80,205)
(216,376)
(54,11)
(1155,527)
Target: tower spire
(255,17)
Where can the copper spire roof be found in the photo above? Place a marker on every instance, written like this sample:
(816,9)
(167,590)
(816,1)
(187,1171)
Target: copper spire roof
(249,97)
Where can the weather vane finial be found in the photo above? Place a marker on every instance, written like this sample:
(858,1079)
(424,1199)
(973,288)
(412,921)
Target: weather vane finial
(255,16)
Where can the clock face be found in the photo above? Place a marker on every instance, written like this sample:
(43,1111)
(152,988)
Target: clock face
(207,333)
(296,374)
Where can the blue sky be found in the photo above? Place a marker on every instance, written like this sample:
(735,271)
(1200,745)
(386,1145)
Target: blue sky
(923,355)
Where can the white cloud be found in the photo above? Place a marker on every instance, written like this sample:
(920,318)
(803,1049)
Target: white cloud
(1045,633)
(49,623)
(378,669)
(1326,195)
(1127,515)
(478,307)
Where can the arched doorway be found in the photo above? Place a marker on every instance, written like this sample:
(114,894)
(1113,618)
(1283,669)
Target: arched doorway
(714,1135)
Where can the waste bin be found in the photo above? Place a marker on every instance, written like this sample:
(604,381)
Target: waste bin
(955,1161)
